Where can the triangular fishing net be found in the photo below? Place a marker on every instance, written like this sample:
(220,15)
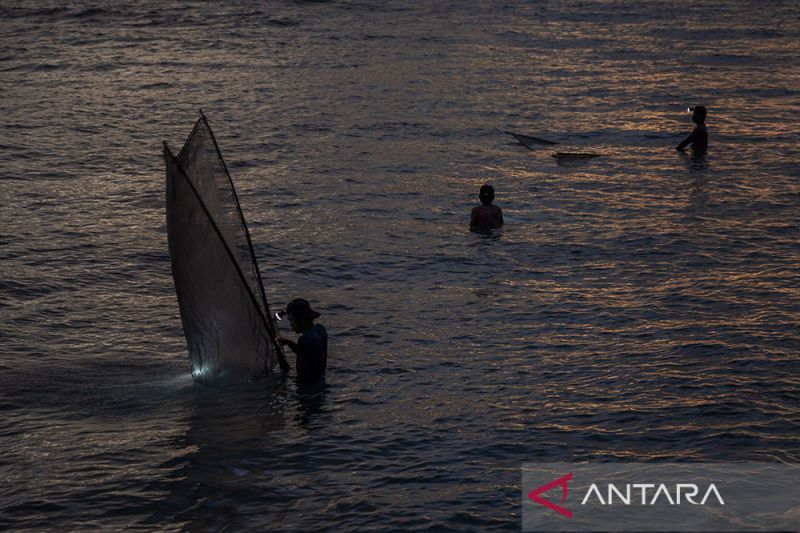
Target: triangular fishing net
(229,329)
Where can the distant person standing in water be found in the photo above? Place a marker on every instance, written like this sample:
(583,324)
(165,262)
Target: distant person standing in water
(486,216)
(699,136)
(311,347)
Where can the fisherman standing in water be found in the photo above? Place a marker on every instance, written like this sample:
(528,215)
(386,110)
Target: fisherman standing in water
(311,347)
(486,216)
(699,136)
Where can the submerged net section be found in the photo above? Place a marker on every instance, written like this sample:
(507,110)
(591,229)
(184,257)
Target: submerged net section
(229,330)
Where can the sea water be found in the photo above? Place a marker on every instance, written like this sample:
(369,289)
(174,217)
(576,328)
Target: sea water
(637,306)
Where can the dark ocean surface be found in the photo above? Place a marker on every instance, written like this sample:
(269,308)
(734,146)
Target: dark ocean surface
(638,306)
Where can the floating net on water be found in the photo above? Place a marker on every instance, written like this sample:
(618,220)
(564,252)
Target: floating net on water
(229,329)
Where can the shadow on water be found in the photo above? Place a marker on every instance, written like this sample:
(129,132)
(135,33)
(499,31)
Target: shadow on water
(236,441)
(311,401)
(487,234)
(698,172)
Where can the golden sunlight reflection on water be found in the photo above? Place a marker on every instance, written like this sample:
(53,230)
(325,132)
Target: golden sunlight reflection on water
(639,305)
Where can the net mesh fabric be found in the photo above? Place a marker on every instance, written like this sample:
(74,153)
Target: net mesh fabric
(226,319)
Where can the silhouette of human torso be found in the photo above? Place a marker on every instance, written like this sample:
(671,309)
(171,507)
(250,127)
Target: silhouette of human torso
(486,217)
(698,138)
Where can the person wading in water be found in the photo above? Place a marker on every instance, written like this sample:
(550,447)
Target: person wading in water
(486,216)
(311,347)
(699,136)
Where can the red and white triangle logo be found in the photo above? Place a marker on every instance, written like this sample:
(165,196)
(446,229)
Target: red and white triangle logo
(535,495)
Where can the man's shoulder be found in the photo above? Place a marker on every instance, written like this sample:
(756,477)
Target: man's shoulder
(315,334)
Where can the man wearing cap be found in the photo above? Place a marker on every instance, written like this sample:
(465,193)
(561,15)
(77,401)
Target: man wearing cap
(311,347)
